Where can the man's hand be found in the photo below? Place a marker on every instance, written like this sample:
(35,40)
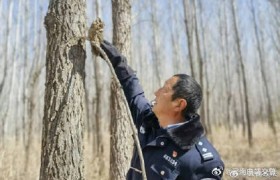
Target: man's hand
(113,54)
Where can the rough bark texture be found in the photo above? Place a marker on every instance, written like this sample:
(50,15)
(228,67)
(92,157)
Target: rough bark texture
(121,139)
(121,11)
(61,156)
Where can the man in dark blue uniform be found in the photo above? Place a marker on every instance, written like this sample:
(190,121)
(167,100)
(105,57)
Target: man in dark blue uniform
(169,129)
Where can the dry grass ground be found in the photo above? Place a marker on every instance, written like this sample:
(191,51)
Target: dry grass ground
(234,150)
(237,155)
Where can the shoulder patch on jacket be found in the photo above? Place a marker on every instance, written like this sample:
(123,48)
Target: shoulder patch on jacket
(203,151)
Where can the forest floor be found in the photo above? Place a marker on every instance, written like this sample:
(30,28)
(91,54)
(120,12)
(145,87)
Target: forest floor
(258,162)
(240,160)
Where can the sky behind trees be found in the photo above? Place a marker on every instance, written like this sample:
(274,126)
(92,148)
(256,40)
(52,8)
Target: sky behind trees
(159,46)
(231,47)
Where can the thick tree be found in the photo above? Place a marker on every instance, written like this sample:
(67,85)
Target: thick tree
(61,155)
(121,141)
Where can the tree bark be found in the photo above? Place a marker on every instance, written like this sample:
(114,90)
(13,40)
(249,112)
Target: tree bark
(62,149)
(121,141)
(99,122)
(121,12)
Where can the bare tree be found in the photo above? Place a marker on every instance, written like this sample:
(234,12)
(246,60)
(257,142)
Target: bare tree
(198,48)
(226,61)
(188,12)
(62,150)
(275,36)
(5,76)
(8,27)
(32,82)
(25,69)
(263,73)
(156,43)
(121,141)
(99,122)
(174,37)
(244,82)
(16,55)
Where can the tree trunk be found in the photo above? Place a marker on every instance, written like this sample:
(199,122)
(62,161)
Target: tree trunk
(244,82)
(99,122)
(16,54)
(24,73)
(31,120)
(241,101)
(5,76)
(226,61)
(269,111)
(121,142)
(62,136)
(201,64)
(33,80)
(121,135)
(189,31)
(155,47)
(121,12)
(207,99)
(174,38)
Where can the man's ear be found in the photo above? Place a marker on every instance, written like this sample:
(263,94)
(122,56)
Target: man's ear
(181,104)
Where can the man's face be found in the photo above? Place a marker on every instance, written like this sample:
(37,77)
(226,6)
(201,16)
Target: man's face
(163,104)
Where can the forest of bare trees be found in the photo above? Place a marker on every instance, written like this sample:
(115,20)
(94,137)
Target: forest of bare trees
(51,82)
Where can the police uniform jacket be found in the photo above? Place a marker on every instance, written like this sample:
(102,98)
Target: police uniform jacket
(181,152)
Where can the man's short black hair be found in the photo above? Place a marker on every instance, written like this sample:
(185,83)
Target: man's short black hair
(187,88)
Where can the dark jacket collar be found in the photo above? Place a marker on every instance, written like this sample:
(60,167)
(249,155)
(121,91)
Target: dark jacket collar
(185,135)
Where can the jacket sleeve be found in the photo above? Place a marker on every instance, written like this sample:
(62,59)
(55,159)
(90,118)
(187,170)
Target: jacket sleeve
(138,104)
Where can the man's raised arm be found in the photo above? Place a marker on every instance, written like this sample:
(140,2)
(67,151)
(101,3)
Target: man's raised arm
(134,93)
